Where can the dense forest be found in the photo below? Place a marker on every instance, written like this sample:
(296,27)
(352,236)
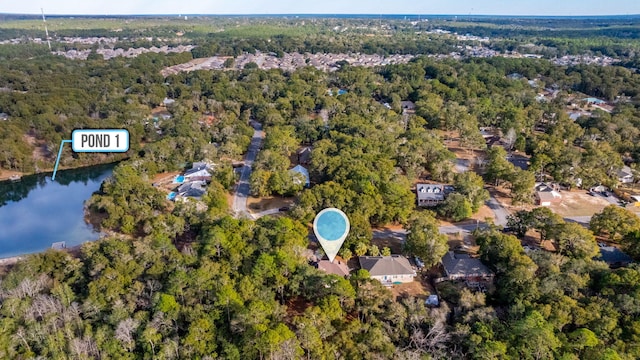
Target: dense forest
(189,280)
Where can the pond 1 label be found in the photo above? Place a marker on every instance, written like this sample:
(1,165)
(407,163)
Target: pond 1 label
(100,140)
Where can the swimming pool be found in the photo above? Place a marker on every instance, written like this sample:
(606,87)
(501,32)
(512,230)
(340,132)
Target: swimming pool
(179,179)
(594,100)
(172,195)
(331,224)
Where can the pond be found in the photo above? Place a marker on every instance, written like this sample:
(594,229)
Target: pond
(36,212)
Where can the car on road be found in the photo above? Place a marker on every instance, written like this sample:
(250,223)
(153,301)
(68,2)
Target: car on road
(284,208)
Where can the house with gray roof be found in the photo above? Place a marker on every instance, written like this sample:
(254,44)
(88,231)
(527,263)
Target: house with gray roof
(625,175)
(389,270)
(194,189)
(614,257)
(464,267)
(430,194)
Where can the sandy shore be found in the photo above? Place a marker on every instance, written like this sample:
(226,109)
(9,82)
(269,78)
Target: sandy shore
(6,174)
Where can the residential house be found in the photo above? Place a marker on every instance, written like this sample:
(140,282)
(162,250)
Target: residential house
(546,194)
(464,267)
(625,175)
(337,267)
(198,172)
(194,189)
(408,105)
(614,257)
(430,194)
(432,300)
(299,169)
(388,269)
(304,155)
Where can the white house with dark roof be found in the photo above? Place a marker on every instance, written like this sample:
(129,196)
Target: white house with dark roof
(464,267)
(430,194)
(625,175)
(388,269)
(198,172)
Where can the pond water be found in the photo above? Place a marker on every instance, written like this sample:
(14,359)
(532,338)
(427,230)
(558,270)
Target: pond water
(35,212)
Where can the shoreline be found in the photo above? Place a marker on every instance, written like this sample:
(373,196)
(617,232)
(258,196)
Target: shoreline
(6,174)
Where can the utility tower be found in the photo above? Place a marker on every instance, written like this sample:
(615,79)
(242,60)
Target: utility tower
(45,28)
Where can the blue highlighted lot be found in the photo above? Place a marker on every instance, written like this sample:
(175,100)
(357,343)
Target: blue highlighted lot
(331,225)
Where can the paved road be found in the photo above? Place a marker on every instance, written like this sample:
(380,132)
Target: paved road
(583,220)
(500,219)
(462,165)
(499,211)
(520,161)
(242,189)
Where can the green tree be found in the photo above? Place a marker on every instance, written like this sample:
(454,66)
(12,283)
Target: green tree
(575,241)
(522,183)
(615,222)
(456,207)
(471,186)
(498,167)
(424,239)
(534,338)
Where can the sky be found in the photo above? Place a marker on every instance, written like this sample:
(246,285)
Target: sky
(224,7)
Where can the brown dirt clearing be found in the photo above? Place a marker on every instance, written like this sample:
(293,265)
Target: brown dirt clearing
(420,288)
(260,204)
(579,203)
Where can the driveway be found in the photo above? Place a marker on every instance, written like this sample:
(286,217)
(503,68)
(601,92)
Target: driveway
(266,212)
(582,220)
(242,189)
(462,165)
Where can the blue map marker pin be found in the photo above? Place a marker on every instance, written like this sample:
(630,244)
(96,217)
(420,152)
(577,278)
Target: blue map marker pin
(331,227)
